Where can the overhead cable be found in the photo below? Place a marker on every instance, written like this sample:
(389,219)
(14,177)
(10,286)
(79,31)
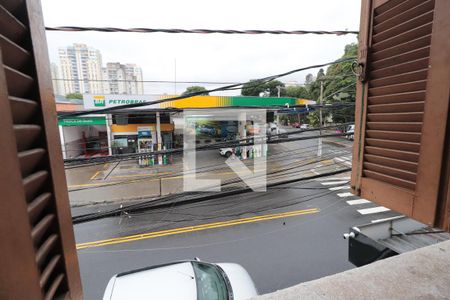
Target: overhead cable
(224,88)
(199,31)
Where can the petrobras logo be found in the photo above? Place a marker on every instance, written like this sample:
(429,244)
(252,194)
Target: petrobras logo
(99,101)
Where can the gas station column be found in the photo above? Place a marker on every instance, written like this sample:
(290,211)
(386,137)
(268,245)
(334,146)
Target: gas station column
(108,132)
(243,132)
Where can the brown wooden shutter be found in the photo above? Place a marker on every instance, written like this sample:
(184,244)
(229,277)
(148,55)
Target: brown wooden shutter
(402,105)
(38,259)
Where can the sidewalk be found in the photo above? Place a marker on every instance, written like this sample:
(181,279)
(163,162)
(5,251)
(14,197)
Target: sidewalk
(419,274)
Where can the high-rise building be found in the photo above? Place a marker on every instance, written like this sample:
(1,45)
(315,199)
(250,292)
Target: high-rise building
(81,69)
(122,79)
(58,84)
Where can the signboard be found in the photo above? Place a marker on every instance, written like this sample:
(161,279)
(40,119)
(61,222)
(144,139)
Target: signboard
(92,101)
(80,121)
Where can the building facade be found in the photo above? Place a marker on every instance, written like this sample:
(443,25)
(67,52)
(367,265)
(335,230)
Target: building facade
(81,69)
(122,79)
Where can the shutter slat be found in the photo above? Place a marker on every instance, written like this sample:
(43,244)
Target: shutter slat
(37,206)
(19,84)
(410,66)
(38,231)
(23,110)
(54,287)
(396,117)
(45,248)
(404,37)
(392,162)
(396,30)
(27,136)
(401,48)
(396,145)
(33,184)
(401,58)
(389,179)
(398,88)
(30,159)
(400,15)
(403,78)
(398,154)
(413,137)
(413,97)
(393,8)
(11,27)
(395,126)
(13,55)
(397,173)
(49,270)
(396,107)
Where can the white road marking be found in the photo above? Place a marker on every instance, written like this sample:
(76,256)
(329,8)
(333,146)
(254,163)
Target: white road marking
(373,210)
(337,188)
(342,195)
(357,201)
(334,182)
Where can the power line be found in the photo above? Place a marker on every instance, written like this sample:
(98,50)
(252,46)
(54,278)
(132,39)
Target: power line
(149,205)
(224,88)
(199,31)
(247,142)
(146,81)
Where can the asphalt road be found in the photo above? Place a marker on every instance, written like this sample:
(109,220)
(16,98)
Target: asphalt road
(284,236)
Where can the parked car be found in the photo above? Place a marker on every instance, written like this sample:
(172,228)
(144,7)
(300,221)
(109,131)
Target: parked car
(351,129)
(184,280)
(304,126)
(296,125)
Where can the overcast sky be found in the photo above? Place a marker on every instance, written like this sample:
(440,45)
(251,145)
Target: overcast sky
(212,57)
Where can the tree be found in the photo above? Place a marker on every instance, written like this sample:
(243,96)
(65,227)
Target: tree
(297,92)
(339,86)
(195,89)
(256,87)
(74,96)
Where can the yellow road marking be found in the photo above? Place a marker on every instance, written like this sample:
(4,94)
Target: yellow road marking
(201,227)
(95,175)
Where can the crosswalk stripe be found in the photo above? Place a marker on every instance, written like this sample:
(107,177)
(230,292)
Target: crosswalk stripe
(373,210)
(342,195)
(334,182)
(357,201)
(336,188)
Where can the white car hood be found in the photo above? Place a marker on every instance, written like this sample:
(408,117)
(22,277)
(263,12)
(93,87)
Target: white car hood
(156,283)
(241,282)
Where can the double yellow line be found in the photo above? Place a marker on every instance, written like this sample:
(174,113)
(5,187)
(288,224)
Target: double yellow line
(155,234)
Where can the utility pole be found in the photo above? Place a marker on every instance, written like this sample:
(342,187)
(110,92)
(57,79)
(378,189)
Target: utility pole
(319,148)
(279,90)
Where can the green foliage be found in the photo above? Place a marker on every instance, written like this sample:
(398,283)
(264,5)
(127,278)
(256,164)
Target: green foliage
(74,96)
(297,92)
(256,87)
(339,86)
(195,89)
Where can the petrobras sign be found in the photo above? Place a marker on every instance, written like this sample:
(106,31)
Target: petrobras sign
(99,101)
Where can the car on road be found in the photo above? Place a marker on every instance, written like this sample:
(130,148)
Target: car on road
(304,126)
(227,152)
(183,280)
(351,129)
